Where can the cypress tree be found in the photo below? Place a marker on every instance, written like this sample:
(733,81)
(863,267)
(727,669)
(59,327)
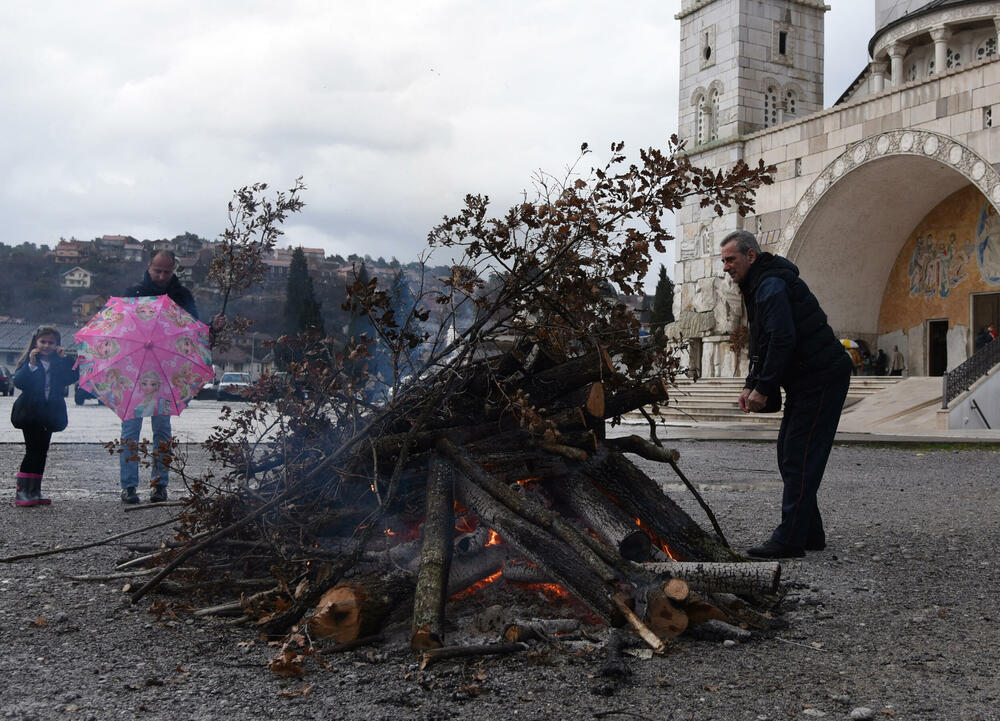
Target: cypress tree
(302,310)
(663,302)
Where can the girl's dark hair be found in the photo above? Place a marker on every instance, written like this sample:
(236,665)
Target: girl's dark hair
(42,330)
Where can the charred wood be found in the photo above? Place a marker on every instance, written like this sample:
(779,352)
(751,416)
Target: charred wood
(581,498)
(642,498)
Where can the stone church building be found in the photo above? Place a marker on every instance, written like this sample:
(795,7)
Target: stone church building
(886,201)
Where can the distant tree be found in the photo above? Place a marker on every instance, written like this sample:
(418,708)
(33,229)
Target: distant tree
(302,310)
(663,301)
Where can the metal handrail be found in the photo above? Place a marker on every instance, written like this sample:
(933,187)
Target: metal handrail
(960,379)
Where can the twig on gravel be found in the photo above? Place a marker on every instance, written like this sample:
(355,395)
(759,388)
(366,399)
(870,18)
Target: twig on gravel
(83,546)
(803,645)
(621,712)
(147,506)
(117,576)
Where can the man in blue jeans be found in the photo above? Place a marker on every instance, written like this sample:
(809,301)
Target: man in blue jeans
(792,347)
(158,280)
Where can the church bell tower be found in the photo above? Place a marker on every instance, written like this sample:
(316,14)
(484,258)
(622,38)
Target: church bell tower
(748,65)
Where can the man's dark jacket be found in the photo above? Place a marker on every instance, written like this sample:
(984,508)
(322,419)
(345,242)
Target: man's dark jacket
(791,344)
(177,293)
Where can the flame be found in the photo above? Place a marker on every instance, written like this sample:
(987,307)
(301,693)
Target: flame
(495,539)
(476,587)
(465,524)
(552,592)
(390,532)
(657,541)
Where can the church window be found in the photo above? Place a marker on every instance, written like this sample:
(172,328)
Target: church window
(714,118)
(954,59)
(791,104)
(911,74)
(930,65)
(783,43)
(708,47)
(988,116)
(701,121)
(770,107)
(987,50)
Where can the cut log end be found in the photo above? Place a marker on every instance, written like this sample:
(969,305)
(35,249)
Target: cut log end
(338,615)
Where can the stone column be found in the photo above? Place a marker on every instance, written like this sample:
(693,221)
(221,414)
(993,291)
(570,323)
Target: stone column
(878,68)
(896,53)
(940,35)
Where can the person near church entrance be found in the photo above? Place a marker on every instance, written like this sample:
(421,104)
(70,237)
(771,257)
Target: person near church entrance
(792,347)
(881,363)
(898,364)
(158,280)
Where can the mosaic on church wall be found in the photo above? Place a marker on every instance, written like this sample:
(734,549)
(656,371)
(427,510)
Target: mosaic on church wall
(953,252)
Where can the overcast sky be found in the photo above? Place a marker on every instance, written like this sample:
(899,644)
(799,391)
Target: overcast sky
(140,118)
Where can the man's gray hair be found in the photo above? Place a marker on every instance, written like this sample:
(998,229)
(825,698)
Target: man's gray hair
(745,240)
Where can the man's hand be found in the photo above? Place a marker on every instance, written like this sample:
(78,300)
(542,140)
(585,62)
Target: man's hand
(743,400)
(756,402)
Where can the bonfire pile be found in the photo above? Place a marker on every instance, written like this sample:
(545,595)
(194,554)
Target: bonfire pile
(476,491)
(472,409)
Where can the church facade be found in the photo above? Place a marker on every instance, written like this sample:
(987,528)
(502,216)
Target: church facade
(887,201)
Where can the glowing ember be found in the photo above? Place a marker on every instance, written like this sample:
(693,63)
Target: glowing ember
(476,587)
(495,539)
(657,541)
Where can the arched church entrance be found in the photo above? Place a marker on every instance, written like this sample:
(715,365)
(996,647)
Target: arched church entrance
(896,237)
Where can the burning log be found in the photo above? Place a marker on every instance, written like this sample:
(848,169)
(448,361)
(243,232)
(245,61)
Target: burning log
(590,582)
(427,623)
(576,493)
(642,498)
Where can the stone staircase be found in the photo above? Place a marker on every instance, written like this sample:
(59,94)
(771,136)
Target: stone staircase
(714,400)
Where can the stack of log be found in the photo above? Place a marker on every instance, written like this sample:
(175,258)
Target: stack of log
(520,446)
(569,505)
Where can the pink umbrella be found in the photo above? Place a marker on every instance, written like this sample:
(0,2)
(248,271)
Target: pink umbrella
(143,356)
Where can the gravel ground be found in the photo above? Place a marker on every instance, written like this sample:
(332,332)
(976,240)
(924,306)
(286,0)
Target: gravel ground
(897,616)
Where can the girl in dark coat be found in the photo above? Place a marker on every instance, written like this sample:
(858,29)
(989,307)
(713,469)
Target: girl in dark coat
(42,374)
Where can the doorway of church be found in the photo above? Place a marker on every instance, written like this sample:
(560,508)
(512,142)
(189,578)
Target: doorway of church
(937,347)
(985,313)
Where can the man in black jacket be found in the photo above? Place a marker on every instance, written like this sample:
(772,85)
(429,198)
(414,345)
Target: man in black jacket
(791,347)
(158,280)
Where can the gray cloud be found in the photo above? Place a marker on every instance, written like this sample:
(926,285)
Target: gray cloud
(141,118)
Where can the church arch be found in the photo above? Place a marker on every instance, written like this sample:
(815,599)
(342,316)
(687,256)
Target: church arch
(847,229)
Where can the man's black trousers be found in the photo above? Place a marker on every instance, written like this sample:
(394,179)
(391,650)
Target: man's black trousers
(804,442)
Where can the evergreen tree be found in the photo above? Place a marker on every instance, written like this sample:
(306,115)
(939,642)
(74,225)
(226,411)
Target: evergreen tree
(663,301)
(302,310)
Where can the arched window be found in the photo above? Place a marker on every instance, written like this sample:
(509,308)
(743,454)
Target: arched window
(987,49)
(714,119)
(954,59)
(911,73)
(700,120)
(770,106)
(791,104)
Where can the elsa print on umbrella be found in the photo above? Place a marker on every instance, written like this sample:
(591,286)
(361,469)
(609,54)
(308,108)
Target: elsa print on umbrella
(152,403)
